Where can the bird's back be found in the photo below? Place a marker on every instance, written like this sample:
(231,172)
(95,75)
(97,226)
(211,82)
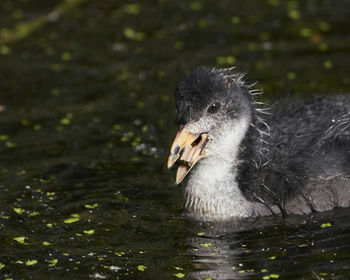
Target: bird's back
(307,164)
(310,126)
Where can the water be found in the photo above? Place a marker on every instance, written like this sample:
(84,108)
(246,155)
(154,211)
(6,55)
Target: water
(87,117)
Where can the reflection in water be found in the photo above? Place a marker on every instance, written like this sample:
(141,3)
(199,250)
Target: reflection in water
(215,259)
(219,250)
(270,247)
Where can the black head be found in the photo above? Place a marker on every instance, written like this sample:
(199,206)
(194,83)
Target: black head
(210,93)
(215,110)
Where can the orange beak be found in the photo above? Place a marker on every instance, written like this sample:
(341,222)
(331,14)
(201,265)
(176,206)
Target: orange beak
(187,149)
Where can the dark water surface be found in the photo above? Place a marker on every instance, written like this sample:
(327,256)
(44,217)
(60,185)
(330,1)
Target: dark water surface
(87,115)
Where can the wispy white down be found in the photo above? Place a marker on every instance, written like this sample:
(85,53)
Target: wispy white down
(212,192)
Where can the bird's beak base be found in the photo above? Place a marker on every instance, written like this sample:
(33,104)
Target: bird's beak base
(187,149)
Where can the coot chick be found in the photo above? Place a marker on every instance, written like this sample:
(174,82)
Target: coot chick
(249,160)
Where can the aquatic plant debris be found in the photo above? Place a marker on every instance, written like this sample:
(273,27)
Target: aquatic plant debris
(31,262)
(141,267)
(91,206)
(179,275)
(3,137)
(74,218)
(18,210)
(133,34)
(34,213)
(132,9)
(10,144)
(53,262)
(328,64)
(324,225)
(89,232)
(271,276)
(20,239)
(65,121)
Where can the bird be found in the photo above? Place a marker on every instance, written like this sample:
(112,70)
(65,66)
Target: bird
(244,159)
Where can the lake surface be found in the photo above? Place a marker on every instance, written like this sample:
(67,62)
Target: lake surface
(87,116)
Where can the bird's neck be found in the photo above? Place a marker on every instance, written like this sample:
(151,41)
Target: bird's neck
(212,191)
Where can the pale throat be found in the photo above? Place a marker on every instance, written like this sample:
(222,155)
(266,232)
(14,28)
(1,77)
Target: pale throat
(212,191)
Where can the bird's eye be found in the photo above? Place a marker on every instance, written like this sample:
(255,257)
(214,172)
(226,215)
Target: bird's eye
(213,108)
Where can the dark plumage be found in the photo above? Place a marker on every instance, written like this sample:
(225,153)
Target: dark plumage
(291,159)
(307,155)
